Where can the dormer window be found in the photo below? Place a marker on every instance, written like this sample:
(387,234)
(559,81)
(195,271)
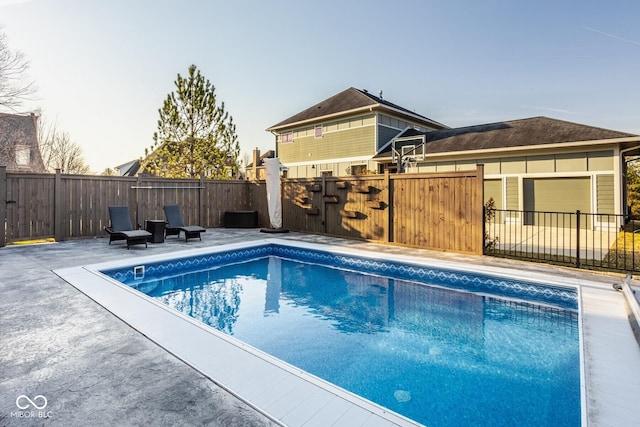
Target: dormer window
(318,131)
(23,155)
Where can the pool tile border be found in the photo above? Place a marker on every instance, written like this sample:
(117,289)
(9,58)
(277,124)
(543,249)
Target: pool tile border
(562,296)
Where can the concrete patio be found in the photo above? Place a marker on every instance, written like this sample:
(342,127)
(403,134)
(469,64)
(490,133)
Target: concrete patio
(94,369)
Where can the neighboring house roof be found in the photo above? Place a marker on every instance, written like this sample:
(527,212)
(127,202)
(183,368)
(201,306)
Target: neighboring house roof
(347,101)
(270,154)
(19,148)
(509,134)
(130,168)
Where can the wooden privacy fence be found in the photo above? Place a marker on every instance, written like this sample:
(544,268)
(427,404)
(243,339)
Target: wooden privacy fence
(442,211)
(70,206)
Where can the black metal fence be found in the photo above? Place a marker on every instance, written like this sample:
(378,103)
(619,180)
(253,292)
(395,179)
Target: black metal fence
(583,240)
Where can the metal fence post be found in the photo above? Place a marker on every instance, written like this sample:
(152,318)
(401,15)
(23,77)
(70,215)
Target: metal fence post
(3,205)
(484,230)
(578,238)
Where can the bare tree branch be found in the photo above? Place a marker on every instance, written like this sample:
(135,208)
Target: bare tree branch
(46,132)
(59,151)
(14,84)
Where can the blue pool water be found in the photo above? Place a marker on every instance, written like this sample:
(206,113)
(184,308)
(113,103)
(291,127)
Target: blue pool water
(441,356)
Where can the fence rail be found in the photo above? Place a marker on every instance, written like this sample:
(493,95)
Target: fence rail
(583,240)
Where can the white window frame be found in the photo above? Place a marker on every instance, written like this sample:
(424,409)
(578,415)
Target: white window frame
(286,137)
(23,155)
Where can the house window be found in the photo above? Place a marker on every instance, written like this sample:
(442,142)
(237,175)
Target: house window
(326,173)
(318,132)
(358,169)
(23,155)
(391,167)
(287,137)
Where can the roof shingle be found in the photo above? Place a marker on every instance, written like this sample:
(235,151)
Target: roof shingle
(513,133)
(347,100)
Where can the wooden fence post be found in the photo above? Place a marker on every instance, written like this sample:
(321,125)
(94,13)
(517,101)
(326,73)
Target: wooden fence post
(3,205)
(139,216)
(388,215)
(391,208)
(58,220)
(202,203)
(324,203)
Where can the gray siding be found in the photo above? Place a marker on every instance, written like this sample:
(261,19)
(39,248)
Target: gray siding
(333,145)
(512,193)
(547,163)
(604,192)
(385,135)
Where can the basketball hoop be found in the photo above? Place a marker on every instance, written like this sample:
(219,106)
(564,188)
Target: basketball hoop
(408,163)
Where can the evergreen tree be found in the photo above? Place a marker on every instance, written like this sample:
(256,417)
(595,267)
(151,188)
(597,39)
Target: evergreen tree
(196,137)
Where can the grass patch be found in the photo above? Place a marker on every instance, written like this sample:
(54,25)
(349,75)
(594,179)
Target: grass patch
(627,241)
(624,254)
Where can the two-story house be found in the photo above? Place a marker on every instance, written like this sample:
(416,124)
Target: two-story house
(340,135)
(533,164)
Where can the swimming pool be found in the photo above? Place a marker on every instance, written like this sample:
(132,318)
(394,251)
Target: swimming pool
(441,363)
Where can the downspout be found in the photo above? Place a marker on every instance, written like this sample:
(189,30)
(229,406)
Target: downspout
(375,131)
(276,136)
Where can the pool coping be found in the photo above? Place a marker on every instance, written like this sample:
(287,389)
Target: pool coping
(633,308)
(324,403)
